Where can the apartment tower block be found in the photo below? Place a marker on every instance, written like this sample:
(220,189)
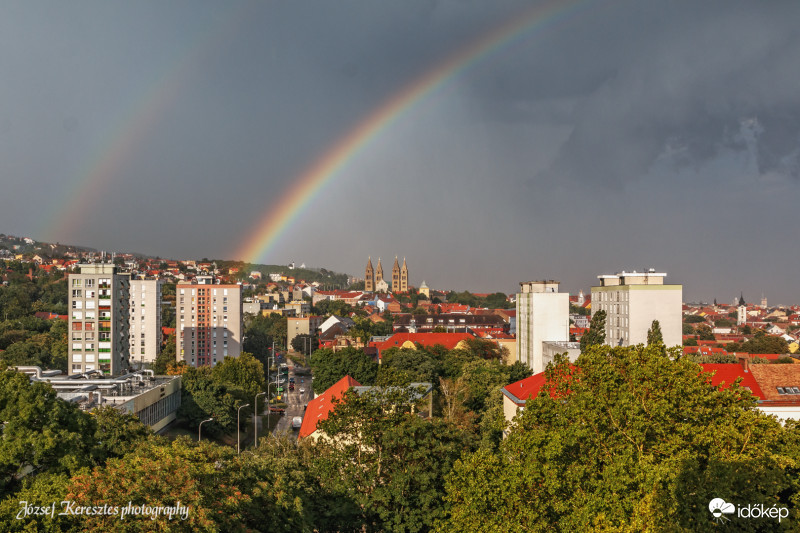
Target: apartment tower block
(632,300)
(99,320)
(208,318)
(542,315)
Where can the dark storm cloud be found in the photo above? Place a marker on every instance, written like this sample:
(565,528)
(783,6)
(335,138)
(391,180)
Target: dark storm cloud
(704,82)
(644,99)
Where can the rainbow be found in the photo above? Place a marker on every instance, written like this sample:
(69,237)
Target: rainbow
(132,127)
(299,195)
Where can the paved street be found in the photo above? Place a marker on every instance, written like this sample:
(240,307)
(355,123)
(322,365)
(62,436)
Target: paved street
(295,401)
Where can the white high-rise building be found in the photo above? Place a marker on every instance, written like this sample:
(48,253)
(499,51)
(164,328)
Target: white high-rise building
(632,300)
(98,326)
(542,315)
(145,320)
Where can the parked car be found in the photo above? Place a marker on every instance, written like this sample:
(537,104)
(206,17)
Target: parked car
(297,422)
(302,390)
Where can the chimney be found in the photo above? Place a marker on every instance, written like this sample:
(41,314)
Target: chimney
(745,362)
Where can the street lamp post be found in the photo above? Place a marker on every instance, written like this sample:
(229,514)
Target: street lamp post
(238,432)
(200,427)
(255,418)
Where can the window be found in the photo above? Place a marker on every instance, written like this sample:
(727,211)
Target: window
(781,391)
(76,282)
(77,304)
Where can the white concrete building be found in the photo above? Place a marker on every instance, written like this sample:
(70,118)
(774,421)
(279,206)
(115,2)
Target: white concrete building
(542,315)
(145,320)
(99,315)
(632,300)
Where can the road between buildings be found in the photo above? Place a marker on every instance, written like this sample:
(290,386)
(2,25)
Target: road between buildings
(295,401)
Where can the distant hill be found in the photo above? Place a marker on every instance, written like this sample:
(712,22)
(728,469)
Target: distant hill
(323,276)
(25,245)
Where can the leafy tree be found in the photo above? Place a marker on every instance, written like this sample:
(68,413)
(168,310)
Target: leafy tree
(199,476)
(244,374)
(202,397)
(704,333)
(687,329)
(761,343)
(41,489)
(117,433)
(596,335)
(694,319)
(40,432)
(607,446)
(390,461)
(486,349)
(654,336)
(690,342)
(419,364)
(165,357)
(518,371)
(305,344)
(329,367)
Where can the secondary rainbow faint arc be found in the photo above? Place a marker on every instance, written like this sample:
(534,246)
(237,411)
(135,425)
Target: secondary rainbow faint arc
(291,203)
(141,118)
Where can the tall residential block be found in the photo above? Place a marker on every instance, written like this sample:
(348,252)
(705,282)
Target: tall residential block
(208,319)
(145,320)
(542,316)
(632,300)
(99,320)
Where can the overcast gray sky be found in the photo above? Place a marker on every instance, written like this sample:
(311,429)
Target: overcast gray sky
(621,135)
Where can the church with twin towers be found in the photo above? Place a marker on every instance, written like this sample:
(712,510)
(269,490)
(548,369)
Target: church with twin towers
(374,282)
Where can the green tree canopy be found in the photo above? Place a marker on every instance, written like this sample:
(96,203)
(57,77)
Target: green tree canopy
(329,367)
(654,335)
(40,432)
(627,440)
(388,460)
(596,335)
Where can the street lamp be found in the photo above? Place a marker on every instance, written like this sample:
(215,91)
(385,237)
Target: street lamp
(255,418)
(238,432)
(200,427)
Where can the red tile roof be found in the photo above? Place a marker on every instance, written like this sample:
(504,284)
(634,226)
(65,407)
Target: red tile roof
(723,376)
(448,340)
(320,407)
(520,391)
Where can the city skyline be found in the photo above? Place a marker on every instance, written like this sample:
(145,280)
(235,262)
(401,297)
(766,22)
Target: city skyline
(489,143)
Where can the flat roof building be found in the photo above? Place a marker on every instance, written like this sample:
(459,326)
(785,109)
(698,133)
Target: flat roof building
(99,320)
(632,301)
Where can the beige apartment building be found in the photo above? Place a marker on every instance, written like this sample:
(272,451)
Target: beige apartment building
(208,319)
(145,320)
(632,300)
(301,326)
(542,315)
(99,320)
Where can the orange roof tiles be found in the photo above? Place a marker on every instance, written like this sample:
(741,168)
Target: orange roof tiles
(320,407)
